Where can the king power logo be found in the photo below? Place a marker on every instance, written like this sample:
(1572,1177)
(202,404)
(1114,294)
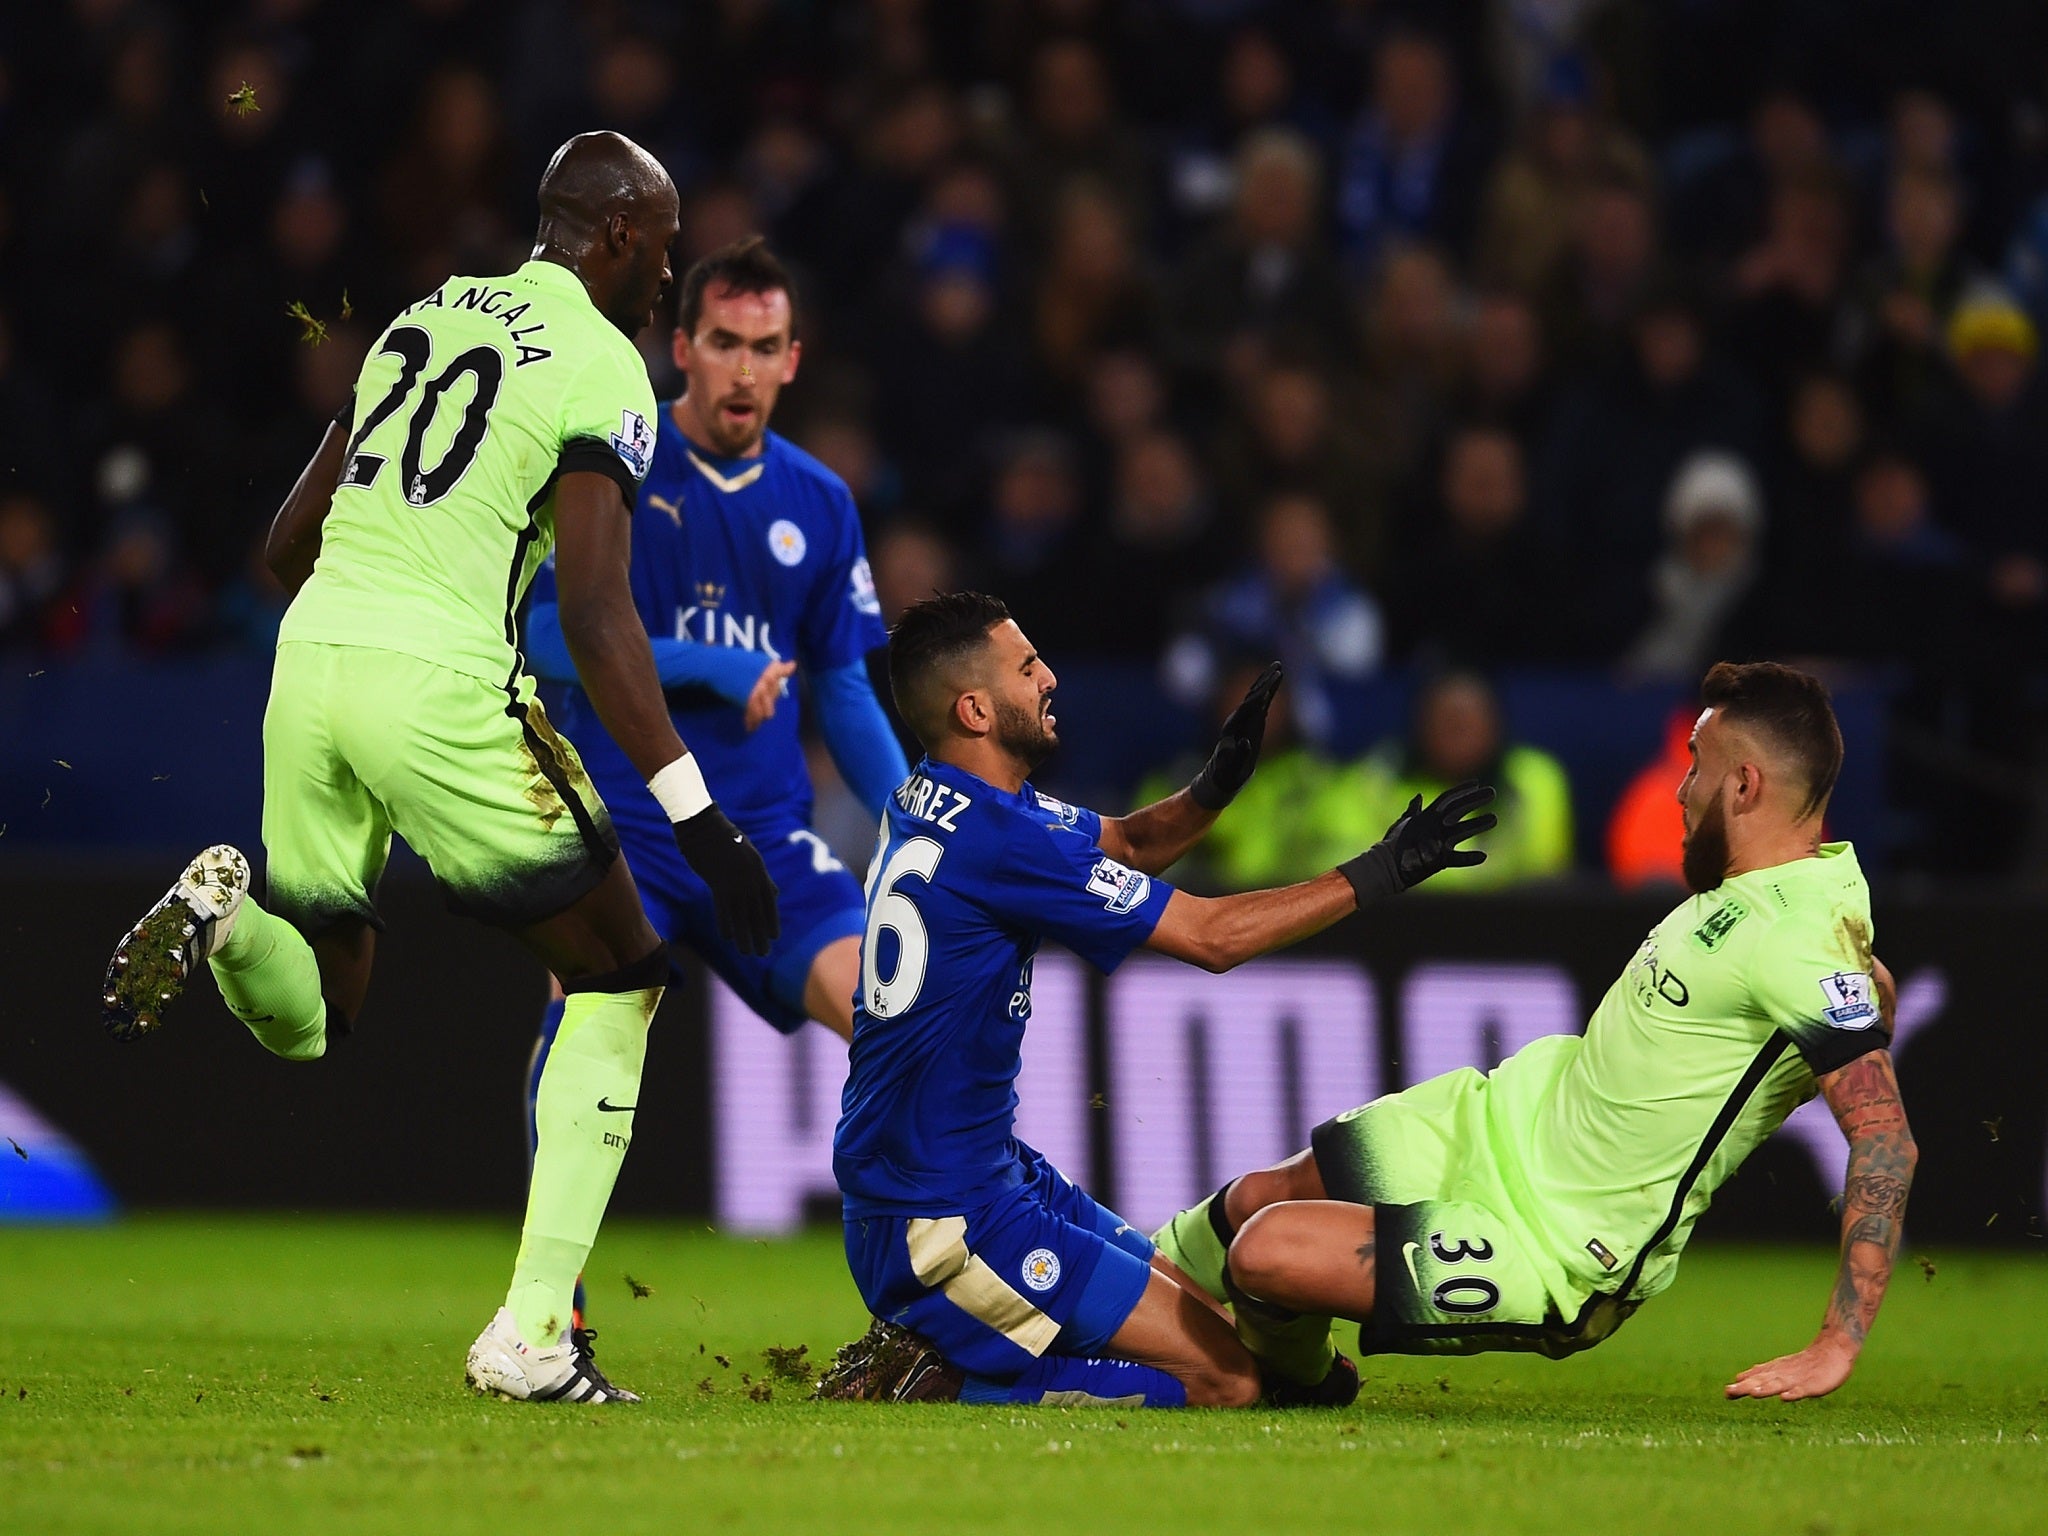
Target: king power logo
(708,624)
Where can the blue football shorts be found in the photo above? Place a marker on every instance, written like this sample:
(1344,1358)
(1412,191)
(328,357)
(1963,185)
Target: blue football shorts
(1042,1269)
(818,897)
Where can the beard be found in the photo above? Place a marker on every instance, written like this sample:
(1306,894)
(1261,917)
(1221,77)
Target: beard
(1705,863)
(1024,734)
(736,442)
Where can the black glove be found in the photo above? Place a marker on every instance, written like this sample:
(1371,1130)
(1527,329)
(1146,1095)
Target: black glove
(1423,841)
(1230,766)
(740,888)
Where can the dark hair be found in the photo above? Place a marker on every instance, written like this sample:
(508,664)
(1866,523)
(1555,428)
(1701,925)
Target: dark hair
(1789,707)
(745,266)
(931,637)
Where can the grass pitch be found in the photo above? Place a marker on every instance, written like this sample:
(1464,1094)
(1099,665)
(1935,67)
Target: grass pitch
(230,1374)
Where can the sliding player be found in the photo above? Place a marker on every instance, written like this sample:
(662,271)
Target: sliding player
(960,1237)
(495,417)
(1536,1207)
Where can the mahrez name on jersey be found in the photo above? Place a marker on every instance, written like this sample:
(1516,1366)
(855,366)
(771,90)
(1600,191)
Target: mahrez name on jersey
(939,804)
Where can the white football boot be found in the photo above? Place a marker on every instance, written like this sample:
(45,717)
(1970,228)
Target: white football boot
(152,962)
(502,1364)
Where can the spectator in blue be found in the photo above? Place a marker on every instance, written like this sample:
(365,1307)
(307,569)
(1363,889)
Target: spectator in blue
(1294,604)
(1411,164)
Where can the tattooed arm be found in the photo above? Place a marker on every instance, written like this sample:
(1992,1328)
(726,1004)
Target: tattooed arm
(1865,1098)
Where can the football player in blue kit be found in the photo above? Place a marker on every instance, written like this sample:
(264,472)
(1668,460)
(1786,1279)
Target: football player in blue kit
(747,563)
(992,1277)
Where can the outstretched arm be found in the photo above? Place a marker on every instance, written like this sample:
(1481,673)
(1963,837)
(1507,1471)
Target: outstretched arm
(1219,932)
(1865,1098)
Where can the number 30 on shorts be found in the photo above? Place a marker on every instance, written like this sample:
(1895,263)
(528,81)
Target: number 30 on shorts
(1463,1294)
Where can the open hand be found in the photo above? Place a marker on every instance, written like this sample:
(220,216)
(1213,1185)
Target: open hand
(1814,1372)
(1236,754)
(1423,841)
(768,689)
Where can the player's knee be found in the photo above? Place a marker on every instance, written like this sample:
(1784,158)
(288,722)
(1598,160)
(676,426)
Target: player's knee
(1295,1179)
(644,974)
(1257,1254)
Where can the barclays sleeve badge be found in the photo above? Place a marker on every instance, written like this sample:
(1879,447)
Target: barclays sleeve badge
(634,443)
(1120,887)
(862,589)
(1849,1003)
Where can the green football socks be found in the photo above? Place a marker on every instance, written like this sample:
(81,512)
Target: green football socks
(584,1115)
(270,981)
(1197,1240)
(1293,1345)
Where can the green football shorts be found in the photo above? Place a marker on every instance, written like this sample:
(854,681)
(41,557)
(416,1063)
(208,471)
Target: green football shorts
(359,743)
(1456,1271)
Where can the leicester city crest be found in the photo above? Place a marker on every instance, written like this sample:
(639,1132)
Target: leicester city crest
(1041,1269)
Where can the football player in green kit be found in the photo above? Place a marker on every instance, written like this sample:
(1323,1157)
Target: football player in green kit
(494,418)
(1537,1206)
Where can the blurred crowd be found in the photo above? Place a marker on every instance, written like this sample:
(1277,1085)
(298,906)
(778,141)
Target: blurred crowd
(1624,334)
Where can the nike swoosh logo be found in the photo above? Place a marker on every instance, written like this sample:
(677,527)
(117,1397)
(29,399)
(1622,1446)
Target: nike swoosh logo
(606,1106)
(1408,1258)
(254,1018)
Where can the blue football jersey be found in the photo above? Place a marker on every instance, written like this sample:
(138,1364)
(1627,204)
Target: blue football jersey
(764,554)
(967,881)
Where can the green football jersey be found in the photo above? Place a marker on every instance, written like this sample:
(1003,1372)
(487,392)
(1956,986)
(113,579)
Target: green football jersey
(473,402)
(1612,1145)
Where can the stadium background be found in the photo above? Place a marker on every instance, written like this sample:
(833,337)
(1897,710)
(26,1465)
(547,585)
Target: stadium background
(1520,356)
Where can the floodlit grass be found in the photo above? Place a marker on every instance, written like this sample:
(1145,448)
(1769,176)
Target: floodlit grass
(213,1375)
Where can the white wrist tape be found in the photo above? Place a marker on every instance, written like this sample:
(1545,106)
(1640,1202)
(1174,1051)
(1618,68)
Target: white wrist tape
(680,789)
